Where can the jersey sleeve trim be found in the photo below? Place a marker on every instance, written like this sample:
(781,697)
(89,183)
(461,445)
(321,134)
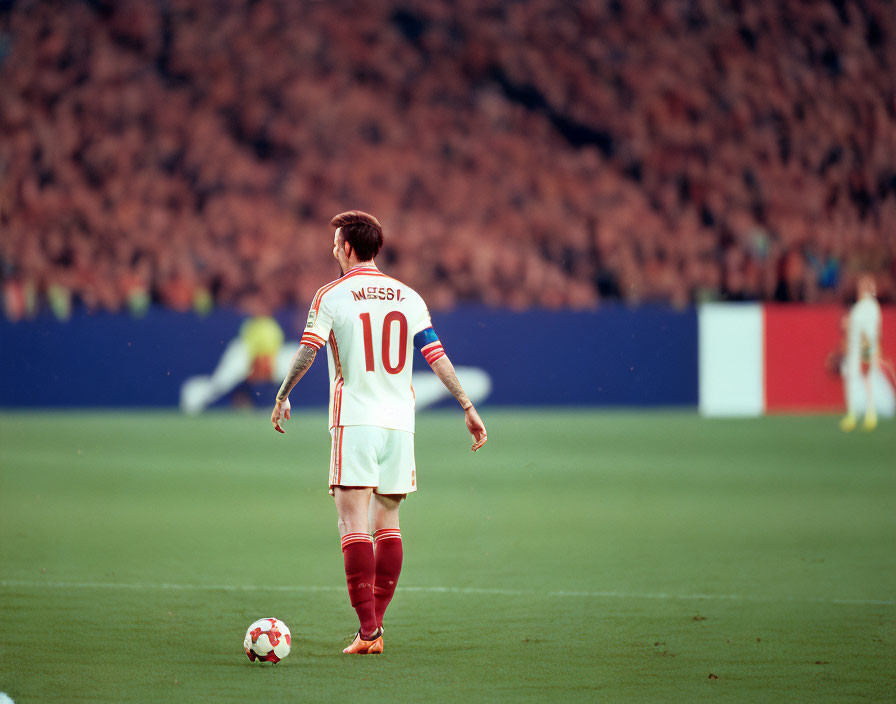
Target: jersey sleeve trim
(433,352)
(312,340)
(318,297)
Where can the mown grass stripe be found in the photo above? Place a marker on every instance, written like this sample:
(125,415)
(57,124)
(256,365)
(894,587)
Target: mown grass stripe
(162,586)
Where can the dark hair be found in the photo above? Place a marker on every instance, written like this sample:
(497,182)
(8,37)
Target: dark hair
(362,231)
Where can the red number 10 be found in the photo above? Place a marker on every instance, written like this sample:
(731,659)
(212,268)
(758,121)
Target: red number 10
(387,339)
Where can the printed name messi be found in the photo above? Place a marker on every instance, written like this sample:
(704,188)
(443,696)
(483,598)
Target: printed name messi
(378,293)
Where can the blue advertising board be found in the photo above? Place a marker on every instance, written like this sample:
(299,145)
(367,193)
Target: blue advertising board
(616,355)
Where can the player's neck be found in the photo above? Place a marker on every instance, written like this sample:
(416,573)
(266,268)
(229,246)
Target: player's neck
(369,264)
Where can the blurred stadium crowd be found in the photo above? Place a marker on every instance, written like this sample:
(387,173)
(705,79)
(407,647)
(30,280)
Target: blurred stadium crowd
(527,153)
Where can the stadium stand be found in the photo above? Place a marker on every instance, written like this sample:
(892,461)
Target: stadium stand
(192,153)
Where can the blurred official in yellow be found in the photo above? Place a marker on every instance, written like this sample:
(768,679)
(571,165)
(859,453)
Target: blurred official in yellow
(257,355)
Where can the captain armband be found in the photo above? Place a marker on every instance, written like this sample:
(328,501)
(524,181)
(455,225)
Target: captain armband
(428,343)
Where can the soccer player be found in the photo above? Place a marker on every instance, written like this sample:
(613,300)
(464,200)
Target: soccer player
(862,345)
(370,324)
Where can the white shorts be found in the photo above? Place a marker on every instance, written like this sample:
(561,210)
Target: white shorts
(367,455)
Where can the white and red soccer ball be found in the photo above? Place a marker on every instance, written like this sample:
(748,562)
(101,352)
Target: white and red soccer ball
(267,640)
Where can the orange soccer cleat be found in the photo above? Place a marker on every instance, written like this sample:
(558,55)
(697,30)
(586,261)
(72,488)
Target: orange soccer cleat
(360,646)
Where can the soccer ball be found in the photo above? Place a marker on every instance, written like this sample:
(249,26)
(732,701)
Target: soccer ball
(267,640)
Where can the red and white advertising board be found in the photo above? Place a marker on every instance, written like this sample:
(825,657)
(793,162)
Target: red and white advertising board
(775,358)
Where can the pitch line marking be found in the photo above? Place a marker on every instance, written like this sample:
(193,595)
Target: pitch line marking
(660,596)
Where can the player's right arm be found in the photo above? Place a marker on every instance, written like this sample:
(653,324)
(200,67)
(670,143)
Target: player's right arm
(301,363)
(428,344)
(314,336)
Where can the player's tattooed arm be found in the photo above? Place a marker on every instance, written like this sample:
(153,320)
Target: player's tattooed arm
(301,362)
(444,369)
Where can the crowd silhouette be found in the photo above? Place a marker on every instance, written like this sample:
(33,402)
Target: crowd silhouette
(532,153)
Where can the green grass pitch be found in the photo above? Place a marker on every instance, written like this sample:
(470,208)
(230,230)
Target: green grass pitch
(581,556)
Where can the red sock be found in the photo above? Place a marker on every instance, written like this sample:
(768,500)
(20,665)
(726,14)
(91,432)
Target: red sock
(360,572)
(388,567)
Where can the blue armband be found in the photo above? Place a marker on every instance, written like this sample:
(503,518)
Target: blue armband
(424,338)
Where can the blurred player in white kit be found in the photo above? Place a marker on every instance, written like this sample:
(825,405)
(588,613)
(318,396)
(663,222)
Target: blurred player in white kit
(871,391)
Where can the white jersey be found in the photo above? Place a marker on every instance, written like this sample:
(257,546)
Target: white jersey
(864,326)
(369,322)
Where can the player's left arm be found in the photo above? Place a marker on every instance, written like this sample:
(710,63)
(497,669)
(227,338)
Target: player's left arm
(301,363)
(870,346)
(428,343)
